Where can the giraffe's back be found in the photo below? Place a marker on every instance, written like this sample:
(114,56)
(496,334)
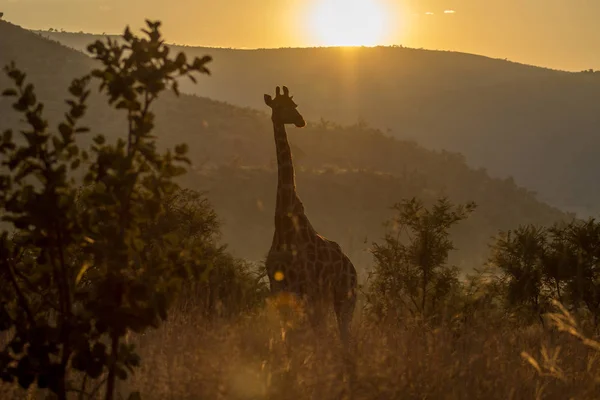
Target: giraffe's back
(333,271)
(310,264)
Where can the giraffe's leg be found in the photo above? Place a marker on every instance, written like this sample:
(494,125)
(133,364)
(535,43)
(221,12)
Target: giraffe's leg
(315,316)
(343,304)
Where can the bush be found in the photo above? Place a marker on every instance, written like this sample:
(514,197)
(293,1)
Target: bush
(227,286)
(559,263)
(410,271)
(79,270)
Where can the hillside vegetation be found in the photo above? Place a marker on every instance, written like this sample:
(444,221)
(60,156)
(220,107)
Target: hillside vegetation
(536,124)
(348,177)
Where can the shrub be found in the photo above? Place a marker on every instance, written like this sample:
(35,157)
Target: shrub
(411,272)
(78,269)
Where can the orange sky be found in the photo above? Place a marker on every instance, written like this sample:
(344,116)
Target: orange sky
(560,34)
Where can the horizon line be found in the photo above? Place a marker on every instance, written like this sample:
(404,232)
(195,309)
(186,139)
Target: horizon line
(397,46)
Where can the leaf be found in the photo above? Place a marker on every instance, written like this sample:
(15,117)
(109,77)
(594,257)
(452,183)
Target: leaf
(97,73)
(81,272)
(181,59)
(181,149)
(99,140)
(65,130)
(9,93)
(7,136)
(123,104)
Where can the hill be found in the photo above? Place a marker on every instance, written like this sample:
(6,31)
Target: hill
(535,124)
(348,176)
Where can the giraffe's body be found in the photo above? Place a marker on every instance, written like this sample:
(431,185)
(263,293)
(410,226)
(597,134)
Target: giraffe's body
(300,260)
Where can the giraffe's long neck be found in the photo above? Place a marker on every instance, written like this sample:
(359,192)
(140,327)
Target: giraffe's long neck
(287,198)
(288,203)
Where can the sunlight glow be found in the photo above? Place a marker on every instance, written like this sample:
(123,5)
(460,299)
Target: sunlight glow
(349,22)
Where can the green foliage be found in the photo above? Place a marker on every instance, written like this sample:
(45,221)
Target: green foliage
(583,276)
(520,255)
(411,271)
(232,287)
(224,286)
(79,270)
(541,265)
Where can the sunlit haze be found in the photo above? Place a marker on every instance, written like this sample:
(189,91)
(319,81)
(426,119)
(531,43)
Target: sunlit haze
(553,33)
(349,22)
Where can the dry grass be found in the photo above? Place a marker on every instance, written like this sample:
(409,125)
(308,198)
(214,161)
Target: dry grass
(254,358)
(251,359)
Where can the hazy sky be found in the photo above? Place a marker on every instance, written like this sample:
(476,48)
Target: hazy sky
(561,34)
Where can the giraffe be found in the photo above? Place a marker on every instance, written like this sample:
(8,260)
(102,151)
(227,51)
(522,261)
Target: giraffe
(301,261)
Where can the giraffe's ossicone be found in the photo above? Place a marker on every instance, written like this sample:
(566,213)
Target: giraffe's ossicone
(300,260)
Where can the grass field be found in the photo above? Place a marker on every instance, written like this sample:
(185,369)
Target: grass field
(259,357)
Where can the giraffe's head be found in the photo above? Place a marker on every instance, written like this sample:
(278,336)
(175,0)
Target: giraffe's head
(284,109)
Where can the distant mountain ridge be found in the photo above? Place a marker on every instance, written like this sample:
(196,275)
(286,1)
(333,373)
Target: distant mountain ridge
(348,176)
(535,124)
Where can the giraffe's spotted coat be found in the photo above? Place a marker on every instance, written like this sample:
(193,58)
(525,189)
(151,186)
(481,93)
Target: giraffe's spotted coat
(300,260)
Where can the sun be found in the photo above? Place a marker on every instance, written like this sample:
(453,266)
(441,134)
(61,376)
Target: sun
(349,22)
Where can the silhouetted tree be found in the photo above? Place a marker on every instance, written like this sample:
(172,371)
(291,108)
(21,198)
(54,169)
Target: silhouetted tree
(78,271)
(411,270)
(228,285)
(560,262)
(520,254)
(584,277)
